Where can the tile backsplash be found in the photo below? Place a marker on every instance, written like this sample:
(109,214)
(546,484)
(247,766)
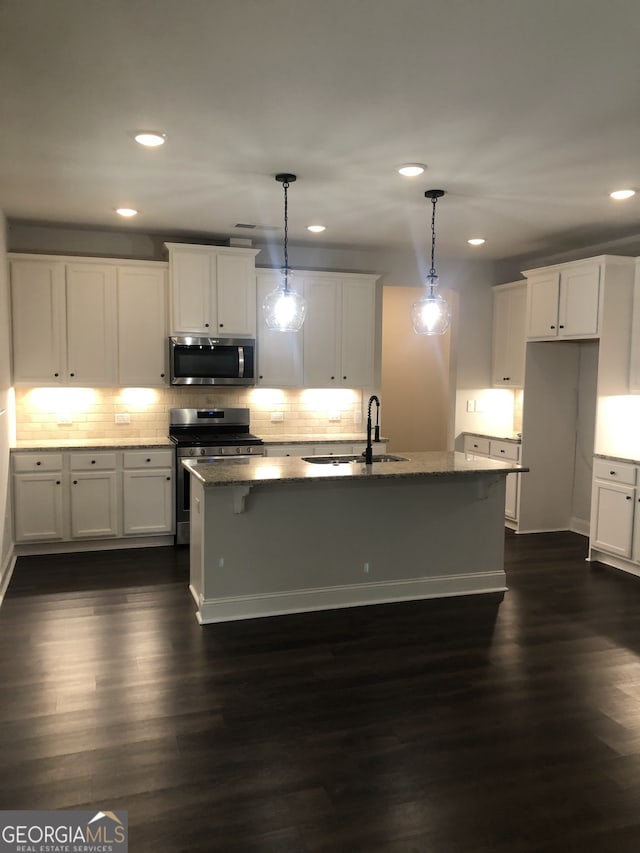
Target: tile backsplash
(77,413)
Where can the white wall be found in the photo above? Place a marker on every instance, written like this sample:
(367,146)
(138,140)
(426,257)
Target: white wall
(6,404)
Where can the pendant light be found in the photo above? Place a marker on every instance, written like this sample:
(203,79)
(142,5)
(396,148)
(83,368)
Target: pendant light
(283,308)
(431,315)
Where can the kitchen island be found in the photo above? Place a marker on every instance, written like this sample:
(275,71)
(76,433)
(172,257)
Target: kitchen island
(282,535)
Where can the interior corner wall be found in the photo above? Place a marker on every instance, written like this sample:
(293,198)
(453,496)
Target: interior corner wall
(415,382)
(6,408)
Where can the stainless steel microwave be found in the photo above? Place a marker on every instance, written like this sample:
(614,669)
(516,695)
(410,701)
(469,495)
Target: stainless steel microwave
(212,361)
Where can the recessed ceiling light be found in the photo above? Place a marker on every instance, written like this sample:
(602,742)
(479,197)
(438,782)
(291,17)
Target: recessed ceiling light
(150,138)
(620,195)
(126,211)
(476,241)
(316,228)
(411,170)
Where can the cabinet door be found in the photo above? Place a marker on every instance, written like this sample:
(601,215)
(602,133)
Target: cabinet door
(511,497)
(94,505)
(38,507)
(509,321)
(322,333)
(542,305)
(38,315)
(192,282)
(279,353)
(612,510)
(236,295)
(91,324)
(148,502)
(357,334)
(579,295)
(142,326)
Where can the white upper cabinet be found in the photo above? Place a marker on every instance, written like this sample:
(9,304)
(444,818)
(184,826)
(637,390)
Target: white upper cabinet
(339,330)
(564,301)
(142,326)
(213,290)
(64,317)
(39,321)
(91,324)
(509,321)
(279,354)
(87,321)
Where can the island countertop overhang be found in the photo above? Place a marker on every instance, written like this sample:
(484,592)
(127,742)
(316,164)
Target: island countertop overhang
(423,464)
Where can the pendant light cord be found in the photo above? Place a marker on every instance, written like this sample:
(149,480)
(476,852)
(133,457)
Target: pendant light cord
(432,271)
(286,238)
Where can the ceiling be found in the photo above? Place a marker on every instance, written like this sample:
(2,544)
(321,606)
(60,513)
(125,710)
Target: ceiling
(525,111)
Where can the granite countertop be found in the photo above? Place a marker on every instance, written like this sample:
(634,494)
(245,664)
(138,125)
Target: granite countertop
(611,458)
(514,437)
(90,443)
(318,438)
(128,443)
(256,470)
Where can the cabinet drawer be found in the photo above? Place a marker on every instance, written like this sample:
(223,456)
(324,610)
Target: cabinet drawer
(477,445)
(289,450)
(148,458)
(332,449)
(37,462)
(505,450)
(101,461)
(619,472)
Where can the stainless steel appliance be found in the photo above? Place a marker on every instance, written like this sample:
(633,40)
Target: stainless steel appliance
(207,435)
(212,361)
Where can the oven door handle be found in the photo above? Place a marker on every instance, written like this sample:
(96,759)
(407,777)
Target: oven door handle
(240,362)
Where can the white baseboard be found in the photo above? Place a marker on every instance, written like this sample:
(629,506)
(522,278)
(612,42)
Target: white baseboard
(39,548)
(329,598)
(614,562)
(580,525)
(6,572)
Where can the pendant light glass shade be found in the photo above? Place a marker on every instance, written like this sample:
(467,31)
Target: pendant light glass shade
(431,315)
(284,308)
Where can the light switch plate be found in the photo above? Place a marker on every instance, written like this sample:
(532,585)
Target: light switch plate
(277,417)
(123,418)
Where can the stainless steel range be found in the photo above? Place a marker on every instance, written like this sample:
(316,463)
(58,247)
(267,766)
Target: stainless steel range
(207,435)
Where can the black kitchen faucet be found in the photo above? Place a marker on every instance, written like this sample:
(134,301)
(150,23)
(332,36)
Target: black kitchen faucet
(368,453)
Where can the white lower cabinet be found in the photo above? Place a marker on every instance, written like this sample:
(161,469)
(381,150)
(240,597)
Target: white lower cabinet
(83,495)
(615,510)
(505,450)
(147,492)
(94,499)
(38,506)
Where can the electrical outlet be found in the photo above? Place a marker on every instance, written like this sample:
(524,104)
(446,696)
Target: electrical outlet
(334,417)
(123,418)
(64,419)
(277,417)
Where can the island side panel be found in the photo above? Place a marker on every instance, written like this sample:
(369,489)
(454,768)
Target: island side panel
(314,545)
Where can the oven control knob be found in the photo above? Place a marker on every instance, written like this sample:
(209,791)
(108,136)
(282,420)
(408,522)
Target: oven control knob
(192,451)
(238,450)
(203,451)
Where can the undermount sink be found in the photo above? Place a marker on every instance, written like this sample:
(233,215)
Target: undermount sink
(337,460)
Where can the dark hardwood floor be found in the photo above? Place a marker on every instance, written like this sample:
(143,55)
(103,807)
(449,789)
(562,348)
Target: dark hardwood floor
(471,725)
